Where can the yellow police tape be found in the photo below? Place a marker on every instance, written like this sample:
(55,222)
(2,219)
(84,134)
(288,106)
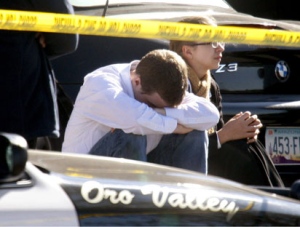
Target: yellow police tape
(92,25)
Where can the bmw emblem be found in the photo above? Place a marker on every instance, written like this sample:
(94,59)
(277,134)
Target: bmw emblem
(282,71)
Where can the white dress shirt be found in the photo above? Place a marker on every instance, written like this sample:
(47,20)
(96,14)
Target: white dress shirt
(106,101)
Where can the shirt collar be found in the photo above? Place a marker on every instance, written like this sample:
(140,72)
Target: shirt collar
(126,79)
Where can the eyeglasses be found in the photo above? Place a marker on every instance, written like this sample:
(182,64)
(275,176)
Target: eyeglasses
(213,44)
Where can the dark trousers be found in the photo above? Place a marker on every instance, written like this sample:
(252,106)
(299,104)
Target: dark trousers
(244,163)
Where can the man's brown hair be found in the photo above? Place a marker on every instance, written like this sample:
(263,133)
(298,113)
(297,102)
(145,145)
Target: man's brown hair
(164,72)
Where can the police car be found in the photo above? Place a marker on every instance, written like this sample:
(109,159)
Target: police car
(44,188)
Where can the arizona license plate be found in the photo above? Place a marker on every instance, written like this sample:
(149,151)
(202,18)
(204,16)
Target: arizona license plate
(283,144)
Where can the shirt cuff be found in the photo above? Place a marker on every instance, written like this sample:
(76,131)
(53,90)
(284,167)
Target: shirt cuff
(218,140)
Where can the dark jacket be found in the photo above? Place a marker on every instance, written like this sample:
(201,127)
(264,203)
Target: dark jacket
(216,99)
(236,160)
(27,81)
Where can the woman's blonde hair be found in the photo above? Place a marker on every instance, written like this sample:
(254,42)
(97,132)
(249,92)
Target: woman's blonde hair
(200,86)
(176,45)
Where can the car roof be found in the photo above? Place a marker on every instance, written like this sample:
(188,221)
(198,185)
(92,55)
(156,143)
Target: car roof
(91,3)
(175,10)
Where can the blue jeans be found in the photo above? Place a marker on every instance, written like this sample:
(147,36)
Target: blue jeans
(187,151)
(122,145)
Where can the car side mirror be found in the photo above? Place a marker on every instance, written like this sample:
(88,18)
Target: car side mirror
(13,156)
(295,190)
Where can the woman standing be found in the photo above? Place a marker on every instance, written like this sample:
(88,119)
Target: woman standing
(234,152)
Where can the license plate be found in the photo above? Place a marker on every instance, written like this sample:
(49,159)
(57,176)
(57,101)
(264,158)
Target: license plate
(283,144)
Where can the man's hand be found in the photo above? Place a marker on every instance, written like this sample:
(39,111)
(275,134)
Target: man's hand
(41,39)
(241,126)
(180,129)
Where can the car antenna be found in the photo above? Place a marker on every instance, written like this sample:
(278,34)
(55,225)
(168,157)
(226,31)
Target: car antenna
(106,6)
